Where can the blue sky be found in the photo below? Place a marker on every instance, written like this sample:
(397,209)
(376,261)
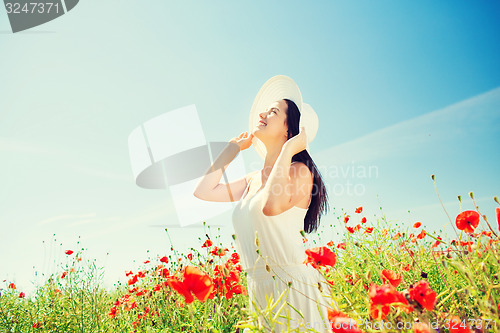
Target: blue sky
(410,88)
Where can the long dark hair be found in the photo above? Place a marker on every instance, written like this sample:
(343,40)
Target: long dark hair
(319,201)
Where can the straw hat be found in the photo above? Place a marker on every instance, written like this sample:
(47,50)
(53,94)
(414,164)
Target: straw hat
(276,88)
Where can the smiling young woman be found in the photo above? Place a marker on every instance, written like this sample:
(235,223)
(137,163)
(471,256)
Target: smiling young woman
(276,204)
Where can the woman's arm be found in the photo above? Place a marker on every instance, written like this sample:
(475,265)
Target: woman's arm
(209,188)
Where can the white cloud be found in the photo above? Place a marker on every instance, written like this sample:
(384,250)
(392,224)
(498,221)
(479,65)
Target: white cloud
(478,114)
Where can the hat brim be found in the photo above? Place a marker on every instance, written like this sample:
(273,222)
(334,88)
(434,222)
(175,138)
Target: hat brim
(277,88)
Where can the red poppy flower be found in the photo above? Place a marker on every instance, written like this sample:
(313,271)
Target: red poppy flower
(467,221)
(357,227)
(385,294)
(12,286)
(368,230)
(226,282)
(38,324)
(423,294)
(235,258)
(396,236)
(141,274)
(417,225)
(363,220)
(486,233)
(164,273)
(379,311)
(112,312)
(146,261)
(437,242)
(320,256)
(381,297)
(190,256)
(421,234)
(133,280)
(207,243)
(341,246)
(391,277)
(330,243)
(195,282)
(350,229)
(216,251)
(68,252)
(346,219)
(22,295)
(128,273)
(358,210)
(164,259)
(132,306)
(63,275)
(341,323)
(497,210)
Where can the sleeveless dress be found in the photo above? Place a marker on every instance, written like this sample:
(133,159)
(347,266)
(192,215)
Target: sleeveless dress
(282,248)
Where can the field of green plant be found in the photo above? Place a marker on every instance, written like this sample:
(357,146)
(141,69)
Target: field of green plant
(384,277)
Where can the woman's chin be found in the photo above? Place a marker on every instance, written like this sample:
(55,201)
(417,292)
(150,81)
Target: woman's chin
(257,133)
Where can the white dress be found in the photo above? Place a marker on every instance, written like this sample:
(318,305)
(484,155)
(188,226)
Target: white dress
(280,242)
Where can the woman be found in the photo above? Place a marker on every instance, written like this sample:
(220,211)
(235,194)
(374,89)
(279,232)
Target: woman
(275,204)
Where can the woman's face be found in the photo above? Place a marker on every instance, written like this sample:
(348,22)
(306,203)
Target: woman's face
(272,122)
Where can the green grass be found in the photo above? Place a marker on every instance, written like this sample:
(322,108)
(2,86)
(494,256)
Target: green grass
(465,278)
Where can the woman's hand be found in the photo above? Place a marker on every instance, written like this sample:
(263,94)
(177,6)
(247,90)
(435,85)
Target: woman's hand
(243,140)
(297,143)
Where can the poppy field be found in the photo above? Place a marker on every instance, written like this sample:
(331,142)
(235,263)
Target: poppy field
(380,277)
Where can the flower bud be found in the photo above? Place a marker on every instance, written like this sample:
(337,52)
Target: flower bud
(256,239)
(459,198)
(234,236)
(268,268)
(471,194)
(289,284)
(482,265)
(303,233)
(496,200)
(432,177)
